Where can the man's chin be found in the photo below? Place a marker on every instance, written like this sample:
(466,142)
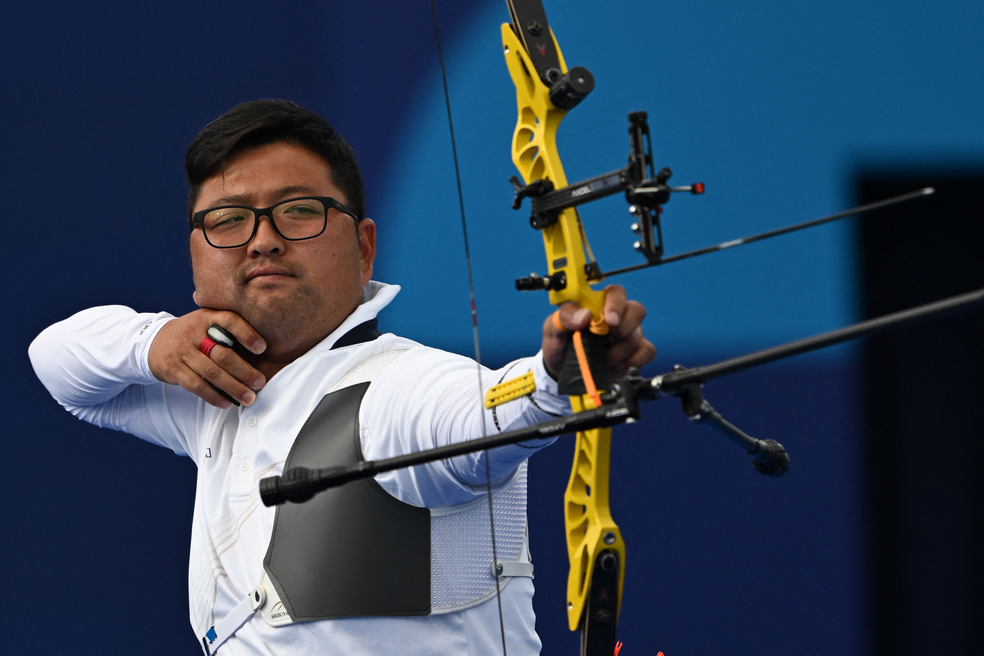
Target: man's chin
(276,314)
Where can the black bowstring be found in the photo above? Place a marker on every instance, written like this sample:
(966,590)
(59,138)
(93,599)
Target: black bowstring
(478,353)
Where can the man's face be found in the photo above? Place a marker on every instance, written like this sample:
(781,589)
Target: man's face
(292,292)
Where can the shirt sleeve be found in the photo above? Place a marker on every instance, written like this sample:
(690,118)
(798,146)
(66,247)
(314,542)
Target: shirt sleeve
(429,398)
(95,365)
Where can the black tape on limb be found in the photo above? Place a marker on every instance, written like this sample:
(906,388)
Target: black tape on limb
(570,381)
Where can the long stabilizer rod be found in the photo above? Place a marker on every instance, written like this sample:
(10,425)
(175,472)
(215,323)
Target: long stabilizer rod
(299,484)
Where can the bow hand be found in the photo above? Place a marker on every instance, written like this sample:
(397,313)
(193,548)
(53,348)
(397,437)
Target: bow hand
(627,345)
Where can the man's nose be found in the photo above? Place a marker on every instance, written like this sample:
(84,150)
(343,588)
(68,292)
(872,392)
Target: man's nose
(266,240)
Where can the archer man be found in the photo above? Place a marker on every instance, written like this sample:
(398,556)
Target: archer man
(282,258)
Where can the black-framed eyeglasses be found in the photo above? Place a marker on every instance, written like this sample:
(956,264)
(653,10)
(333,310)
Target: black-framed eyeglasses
(294,219)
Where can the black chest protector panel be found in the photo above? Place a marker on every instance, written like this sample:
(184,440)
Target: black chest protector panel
(351,551)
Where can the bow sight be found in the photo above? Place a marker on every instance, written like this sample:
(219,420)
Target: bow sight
(645,190)
(647,193)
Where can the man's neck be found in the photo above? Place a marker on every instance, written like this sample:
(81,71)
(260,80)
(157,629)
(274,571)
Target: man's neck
(271,366)
(280,353)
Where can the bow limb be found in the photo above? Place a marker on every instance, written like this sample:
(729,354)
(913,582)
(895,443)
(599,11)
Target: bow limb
(594,543)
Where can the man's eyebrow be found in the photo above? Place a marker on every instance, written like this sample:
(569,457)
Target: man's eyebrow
(282,192)
(294,190)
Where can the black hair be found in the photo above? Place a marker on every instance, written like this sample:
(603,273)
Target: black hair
(261,122)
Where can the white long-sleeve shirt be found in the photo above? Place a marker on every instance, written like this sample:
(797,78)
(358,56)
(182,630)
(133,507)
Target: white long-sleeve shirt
(95,365)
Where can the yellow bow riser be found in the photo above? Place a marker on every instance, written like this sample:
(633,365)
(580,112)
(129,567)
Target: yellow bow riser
(591,531)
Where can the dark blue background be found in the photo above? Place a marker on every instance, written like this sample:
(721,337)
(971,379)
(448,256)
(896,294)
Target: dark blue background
(774,106)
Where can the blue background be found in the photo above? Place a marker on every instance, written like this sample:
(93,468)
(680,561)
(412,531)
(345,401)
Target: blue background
(775,107)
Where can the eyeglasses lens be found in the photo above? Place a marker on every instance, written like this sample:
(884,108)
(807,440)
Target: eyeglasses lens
(295,219)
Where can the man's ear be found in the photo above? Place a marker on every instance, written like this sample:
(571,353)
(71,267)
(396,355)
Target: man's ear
(367,247)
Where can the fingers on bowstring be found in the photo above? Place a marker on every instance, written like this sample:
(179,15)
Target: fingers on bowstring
(240,329)
(223,380)
(195,377)
(230,361)
(206,377)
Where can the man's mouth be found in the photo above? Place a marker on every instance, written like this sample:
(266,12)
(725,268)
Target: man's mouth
(267,273)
